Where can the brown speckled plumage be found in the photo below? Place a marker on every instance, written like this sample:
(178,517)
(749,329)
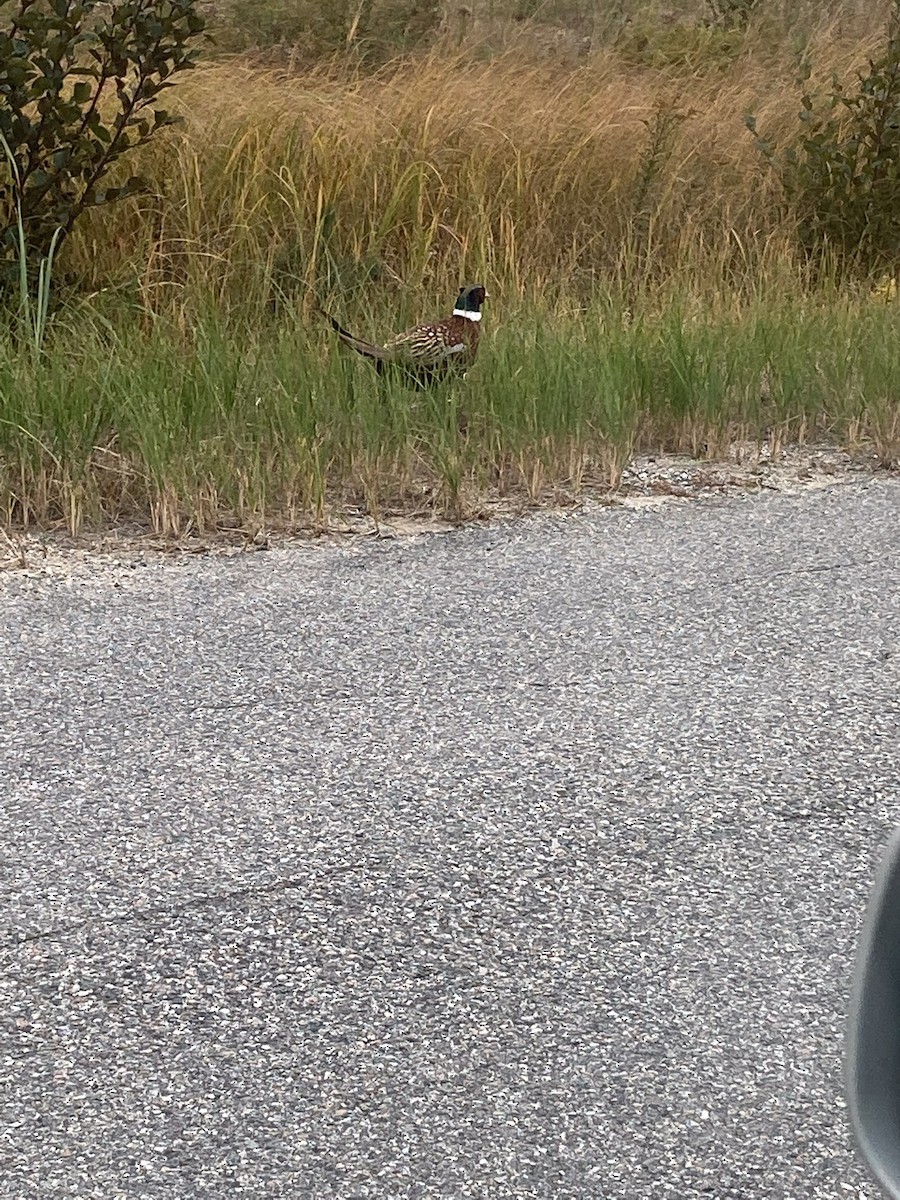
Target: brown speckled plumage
(429,351)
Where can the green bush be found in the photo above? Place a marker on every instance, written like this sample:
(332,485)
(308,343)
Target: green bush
(79,81)
(841,177)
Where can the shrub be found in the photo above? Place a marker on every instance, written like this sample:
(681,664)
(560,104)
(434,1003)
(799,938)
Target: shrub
(841,178)
(79,82)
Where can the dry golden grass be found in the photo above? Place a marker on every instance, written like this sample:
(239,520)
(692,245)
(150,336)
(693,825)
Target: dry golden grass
(541,178)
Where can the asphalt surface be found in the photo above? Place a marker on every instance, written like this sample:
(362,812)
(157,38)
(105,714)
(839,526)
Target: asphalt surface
(520,861)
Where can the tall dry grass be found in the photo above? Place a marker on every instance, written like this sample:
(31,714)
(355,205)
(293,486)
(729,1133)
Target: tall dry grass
(546,180)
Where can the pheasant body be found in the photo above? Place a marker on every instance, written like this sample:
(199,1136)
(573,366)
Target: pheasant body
(430,351)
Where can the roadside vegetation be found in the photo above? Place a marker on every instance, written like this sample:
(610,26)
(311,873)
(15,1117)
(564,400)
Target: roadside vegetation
(661,275)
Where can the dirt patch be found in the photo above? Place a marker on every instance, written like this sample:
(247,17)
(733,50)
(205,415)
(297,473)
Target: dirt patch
(649,481)
(749,467)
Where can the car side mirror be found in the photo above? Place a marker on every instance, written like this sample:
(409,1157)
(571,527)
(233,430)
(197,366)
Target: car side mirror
(873,1036)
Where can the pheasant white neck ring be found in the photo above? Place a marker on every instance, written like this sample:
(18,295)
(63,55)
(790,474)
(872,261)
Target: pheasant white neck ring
(464,312)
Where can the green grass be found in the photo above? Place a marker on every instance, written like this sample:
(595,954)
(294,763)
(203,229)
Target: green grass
(185,385)
(204,423)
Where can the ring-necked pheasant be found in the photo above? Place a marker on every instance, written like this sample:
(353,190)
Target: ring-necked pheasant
(429,351)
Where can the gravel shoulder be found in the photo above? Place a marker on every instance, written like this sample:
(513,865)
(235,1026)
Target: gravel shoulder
(523,860)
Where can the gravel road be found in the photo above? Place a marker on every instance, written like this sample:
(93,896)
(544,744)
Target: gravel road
(519,861)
